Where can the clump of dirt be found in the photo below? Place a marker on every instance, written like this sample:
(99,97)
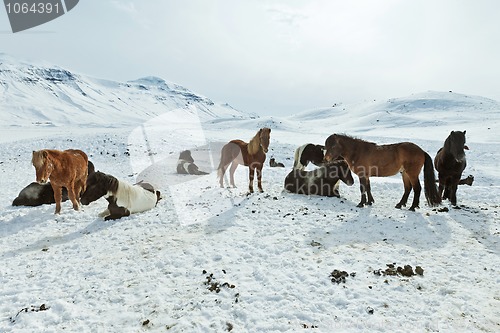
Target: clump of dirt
(337,276)
(406,271)
(214,285)
(33,308)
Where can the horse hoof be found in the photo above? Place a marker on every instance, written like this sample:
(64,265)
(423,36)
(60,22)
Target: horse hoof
(360,205)
(398,206)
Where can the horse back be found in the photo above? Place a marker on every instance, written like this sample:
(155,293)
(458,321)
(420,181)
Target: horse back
(135,197)
(76,153)
(233,149)
(387,160)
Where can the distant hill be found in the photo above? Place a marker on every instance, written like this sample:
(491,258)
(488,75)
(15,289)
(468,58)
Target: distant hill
(426,115)
(47,95)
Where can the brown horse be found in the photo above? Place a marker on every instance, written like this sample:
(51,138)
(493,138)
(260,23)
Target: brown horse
(66,168)
(251,154)
(368,159)
(450,162)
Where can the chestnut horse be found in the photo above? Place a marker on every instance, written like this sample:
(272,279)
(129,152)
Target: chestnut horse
(368,159)
(450,162)
(66,168)
(251,154)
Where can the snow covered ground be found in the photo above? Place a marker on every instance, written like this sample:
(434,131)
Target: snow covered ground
(208,259)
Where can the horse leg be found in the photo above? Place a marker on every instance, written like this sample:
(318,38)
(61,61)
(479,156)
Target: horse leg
(234,165)
(406,194)
(251,172)
(57,197)
(453,194)
(417,188)
(441,190)
(369,192)
(221,174)
(259,177)
(72,194)
(362,188)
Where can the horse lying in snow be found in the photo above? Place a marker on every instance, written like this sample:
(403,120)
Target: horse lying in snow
(123,199)
(186,166)
(274,164)
(321,181)
(36,194)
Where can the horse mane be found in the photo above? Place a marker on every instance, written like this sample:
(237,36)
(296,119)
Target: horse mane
(113,184)
(358,140)
(254,144)
(104,178)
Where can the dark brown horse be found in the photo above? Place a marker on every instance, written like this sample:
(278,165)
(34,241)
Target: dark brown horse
(251,154)
(66,168)
(368,159)
(450,162)
(321,181)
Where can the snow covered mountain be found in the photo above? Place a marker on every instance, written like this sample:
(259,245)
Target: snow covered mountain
(47,95)
(412,116)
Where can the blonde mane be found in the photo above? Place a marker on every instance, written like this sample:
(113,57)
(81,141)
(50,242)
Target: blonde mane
(254,144)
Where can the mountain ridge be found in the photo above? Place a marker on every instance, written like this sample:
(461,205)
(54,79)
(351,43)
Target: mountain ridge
(41,94)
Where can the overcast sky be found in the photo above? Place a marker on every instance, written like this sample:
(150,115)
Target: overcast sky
(277,57)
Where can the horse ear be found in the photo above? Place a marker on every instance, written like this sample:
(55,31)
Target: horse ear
(44,153)
(464,132)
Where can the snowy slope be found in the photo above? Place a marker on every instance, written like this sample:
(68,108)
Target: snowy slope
(440,111)
(208,259)
(41,95)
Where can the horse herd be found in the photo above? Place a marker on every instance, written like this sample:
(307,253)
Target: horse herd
(72,176)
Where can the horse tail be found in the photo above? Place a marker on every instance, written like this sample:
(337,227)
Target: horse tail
(430,189)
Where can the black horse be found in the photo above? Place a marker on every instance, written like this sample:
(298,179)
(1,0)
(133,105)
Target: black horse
(36,194)
(274,164)
(450,162)
(321,181)
(186,166)
(309,153)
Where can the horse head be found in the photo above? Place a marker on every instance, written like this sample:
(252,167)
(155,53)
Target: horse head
(186,156)
(333,148)
(264,135)
(318,155)
(455,144)
(43,165)
(98,185)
